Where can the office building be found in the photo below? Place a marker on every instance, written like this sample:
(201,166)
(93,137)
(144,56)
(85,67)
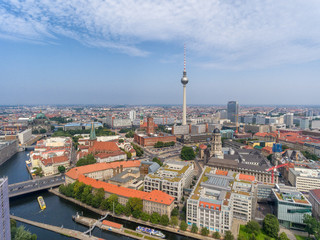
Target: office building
(218,197)
(314,199)
(290,206)
(132,115)
(288,120)
(233,111)
(304,179)
(304,123)
(25,136)
(5,233)
(315,124)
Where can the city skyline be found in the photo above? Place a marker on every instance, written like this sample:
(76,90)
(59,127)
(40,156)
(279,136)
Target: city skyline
(101,53)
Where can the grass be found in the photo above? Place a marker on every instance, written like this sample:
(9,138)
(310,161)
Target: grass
(150,238)
(133,233)
(243,233)
(298,237)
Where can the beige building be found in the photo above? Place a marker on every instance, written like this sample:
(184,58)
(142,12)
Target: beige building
(304,179)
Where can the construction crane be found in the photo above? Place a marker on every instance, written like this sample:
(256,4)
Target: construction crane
(276,167)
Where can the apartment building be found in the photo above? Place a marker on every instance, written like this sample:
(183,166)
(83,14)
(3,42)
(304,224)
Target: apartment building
(218,197)
(171,178)
(304,179)
(5,232)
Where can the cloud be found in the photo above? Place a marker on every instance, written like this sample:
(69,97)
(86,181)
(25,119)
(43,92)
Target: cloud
(219,33)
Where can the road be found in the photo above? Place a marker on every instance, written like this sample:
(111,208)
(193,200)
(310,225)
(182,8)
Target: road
(35,185)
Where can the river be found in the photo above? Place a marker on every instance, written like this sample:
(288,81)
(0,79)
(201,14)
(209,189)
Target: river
(58,212)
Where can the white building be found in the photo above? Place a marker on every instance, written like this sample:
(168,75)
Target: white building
(288,120)
(315,124)
(218,197)
(304,179)
(132,115)
(5,233)
(25,136)
(171,178)
(304,123)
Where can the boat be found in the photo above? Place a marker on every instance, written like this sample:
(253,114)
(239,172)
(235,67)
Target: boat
(150,231)
(41,202)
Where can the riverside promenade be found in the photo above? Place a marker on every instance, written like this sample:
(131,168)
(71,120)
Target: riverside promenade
(131,219)
(64,231)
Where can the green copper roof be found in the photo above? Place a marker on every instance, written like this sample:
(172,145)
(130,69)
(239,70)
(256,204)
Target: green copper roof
(40,116)
(92,133)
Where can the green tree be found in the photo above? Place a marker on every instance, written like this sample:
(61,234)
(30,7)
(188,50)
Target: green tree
(104,204)
(183,225)
(135,206)
(311,224)
(283,236)
(271,225)
(174,221)
(130,134)
(119,209)
(155,218)
(78,189)
(157,160)
(228,236)
(175,212)
(42,130)
(253,227)
(187,153)
(61,169)
(89,199)
(89,159)
(145,216)
(22,234)
(216,235)
(129,155)
(194,228)
(120,141)
(164,220)
(87,189)
(204,231)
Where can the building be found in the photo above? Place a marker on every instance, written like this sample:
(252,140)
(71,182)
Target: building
(114,122)
(184,81)
(227,133)
(304,179)
(5,232)
(216,147)
(97,174)
(304,123)
(233,111)
(7,150)
(51,153)
(171,178)
(218,197)
(257,128)
(314,199)
(315,124)
(132,115)
(288,120)
(290,206)
(25,136)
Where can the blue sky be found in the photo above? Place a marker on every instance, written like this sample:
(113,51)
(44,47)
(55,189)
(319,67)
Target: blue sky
(131,52)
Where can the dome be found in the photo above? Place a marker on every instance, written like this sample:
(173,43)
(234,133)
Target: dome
(40,116)
(216,130)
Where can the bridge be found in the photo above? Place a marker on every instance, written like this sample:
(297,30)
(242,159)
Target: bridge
(35,185)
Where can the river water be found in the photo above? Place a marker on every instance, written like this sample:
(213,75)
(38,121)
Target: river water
(58,212)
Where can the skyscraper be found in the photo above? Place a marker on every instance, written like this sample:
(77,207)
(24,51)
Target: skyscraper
(132,115)
(5,233)
(288,120)
(184,81)
(233,110)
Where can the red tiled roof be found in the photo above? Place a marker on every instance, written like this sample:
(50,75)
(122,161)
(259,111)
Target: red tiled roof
(245,177)
(202,146)
(53,160)
(160,197)
(104,146)
(112,224)
(220,172)
(112,154)
(75,172)
(210,205)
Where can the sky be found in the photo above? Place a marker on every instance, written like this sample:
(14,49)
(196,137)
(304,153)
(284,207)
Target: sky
(131,51)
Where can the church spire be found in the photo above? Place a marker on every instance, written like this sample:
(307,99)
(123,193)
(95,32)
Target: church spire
(92,132)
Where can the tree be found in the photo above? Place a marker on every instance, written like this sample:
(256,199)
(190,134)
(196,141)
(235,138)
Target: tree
(204,231)
(175,212)
(216,235)
(194,228)
(271,225)
(129,155)
(130,134)
(157,160)
(253,227)
(164,220)
(155,218)
(121,141)
(42,130)
(187,153)
(22,234)
(183,225)
(113,201)
(228,236)
(311,224)
(135,206)
(145,216)
(89,159)
(61,169)
(104,204)
(174,221)
(119,209)
(89,199)
(283,236)
(87,189)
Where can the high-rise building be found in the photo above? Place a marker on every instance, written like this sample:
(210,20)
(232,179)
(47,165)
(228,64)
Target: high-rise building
(309,113)
(304,123)
(288,120)
(233,110)
(184,81)
(132,115)
(5,233)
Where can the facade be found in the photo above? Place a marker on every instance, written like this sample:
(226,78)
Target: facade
(288,120)
(314,199)
(171,178)
(304,123)
(304,179)
(25,136)
(117,122)
(291,206)
(180,130)
(218,197)
(7,150)
(315,124)
(132,115)
(5,232)
(257,128)
(150,140)
(233,111)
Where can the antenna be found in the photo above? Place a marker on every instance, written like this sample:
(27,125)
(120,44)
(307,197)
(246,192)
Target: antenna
(184,61)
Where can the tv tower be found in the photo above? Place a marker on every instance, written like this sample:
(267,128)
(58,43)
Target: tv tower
(184,81)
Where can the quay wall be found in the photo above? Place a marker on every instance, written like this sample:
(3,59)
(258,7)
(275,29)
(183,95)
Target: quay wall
(7,150)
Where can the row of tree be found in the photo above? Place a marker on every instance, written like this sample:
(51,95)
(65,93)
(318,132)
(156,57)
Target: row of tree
(187,153)
(139,150)
(86,160)
(20,233)
(162,144)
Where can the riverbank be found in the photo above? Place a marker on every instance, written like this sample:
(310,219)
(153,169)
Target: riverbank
(60,230)
(131,219)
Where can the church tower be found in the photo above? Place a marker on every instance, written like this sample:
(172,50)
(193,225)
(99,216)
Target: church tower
(216,148)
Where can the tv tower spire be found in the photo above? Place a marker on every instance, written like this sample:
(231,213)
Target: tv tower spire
(184,81)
